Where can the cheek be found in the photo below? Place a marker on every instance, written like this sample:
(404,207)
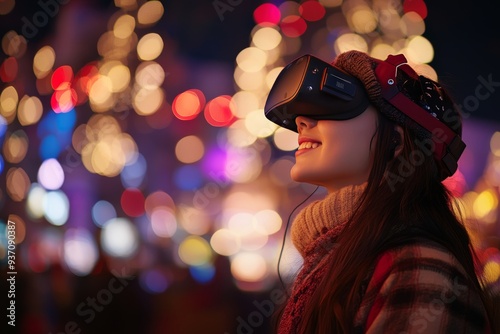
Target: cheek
(350,152)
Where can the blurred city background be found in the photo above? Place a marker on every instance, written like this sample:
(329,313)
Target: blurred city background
(146,189)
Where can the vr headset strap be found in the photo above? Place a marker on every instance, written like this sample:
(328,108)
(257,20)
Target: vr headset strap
(448,145)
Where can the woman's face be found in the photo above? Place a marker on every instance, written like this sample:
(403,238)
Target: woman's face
(335,154)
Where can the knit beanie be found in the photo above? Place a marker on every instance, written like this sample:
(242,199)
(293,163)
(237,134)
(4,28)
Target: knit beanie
(426,93)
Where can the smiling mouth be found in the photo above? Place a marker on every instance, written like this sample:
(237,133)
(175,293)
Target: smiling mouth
(308,145)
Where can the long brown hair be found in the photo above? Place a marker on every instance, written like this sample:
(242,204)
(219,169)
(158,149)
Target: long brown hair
(401,192)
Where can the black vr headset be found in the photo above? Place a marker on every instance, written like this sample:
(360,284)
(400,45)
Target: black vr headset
(316,89)
(311,87)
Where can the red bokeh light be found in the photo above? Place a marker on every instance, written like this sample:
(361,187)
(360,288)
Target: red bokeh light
(63,100)
(267,14)
(8,69)
(132,202)
(312,10)
(456,184)
(293,26)
(62,78)
(187,105)
(84,80)
(417,6)
(218,112)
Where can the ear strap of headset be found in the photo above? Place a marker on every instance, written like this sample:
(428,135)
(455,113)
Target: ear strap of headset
(448,146)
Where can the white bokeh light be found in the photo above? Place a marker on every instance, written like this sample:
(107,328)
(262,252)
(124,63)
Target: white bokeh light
(51,174)
(119,237)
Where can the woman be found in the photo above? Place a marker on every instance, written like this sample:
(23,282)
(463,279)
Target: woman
(384,251)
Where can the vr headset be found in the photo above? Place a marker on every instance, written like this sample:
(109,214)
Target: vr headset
(316,89)
(311,87)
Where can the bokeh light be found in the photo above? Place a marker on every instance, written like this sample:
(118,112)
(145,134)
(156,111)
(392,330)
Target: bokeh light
(187,105)
(109,168)
(267,14)
(150,46)
(150,12)
(51,174)
(102,212)
(195,251)
(80,251)
(119,238)
(248,267)
(219,111)
(56,207)
(189,149)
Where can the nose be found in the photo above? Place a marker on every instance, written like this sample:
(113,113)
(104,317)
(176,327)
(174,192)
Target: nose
(303,122)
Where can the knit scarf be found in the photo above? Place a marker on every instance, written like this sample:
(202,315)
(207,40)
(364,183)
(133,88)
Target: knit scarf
(314,233)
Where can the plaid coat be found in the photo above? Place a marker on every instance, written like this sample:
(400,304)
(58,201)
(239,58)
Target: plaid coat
(419,287)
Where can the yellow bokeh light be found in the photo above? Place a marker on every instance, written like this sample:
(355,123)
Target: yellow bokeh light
(189,149)
(251,59)
(18,184)
(362,20)
(390,23)
(34,203)
(105,149)
(253,240)
(495,144)
(150,46)
(13,44)
(248,267)
(43,62)
(285,139)
(126,4)
(149,75)
(491,272)
(350,41)
(244,103)
(250,81)
(15,147)
(267,222)
(150,13)
(148,101)
(419,50)
(120,77)
(105,160)
(30,110)
(225,242)
(258,125)
(382,50)
(195,251)
(412,24)
(194,221)
(8,103)
(266,38)
(124,26)
(100,94)
(239,136)
(485,202)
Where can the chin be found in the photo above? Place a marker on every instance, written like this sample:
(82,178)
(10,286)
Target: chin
(303,177)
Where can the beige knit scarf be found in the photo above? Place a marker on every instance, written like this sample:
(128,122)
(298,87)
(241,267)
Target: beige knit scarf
(319,217)
(314,234)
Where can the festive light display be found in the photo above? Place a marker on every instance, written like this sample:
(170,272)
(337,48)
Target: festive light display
(221,185)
